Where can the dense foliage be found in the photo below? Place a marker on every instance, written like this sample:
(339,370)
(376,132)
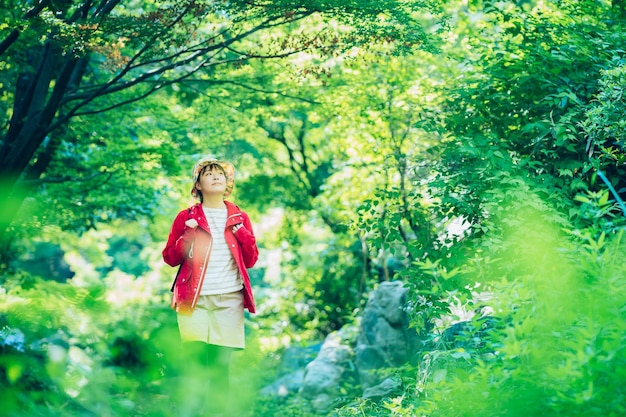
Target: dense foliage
(485,170)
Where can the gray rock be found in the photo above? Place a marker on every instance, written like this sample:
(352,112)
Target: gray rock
(385,389)
(297,357)
(324,374)
(286,385)
(380,340)
(385,339)
(322,403)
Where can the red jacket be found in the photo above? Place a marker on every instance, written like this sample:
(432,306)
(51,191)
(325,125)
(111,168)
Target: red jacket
(192,248)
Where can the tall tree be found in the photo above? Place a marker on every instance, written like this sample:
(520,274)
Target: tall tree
(66,59)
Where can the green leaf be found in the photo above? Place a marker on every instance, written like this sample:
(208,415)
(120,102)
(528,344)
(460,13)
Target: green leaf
(439,375)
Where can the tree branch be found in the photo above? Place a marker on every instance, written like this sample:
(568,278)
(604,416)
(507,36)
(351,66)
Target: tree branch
(115,84)
(9,40)
(256,90)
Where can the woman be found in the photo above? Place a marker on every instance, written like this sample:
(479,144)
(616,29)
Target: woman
(213,243)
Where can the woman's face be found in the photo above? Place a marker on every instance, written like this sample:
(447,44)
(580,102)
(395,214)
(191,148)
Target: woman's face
(212,181)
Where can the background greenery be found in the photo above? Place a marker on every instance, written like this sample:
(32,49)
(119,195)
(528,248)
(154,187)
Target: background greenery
(461,147)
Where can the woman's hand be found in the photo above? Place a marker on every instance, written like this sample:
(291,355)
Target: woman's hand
(191,223)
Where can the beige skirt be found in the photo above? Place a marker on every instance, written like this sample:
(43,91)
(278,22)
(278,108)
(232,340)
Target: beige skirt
(217,320)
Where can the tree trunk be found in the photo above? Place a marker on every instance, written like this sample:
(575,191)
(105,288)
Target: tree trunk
(34,111)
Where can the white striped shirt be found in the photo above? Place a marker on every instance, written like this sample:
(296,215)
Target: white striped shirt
(222,275)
